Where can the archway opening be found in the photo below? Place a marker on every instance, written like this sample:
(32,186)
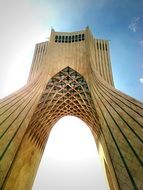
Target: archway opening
(70,160)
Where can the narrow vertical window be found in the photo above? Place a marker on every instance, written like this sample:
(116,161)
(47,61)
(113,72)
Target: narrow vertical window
(73,38)
(100,46)
(59,39)
(66,40)
(82,36)
(63,38)
(97,45)
(56,38)
(69,39)
(106,47)
(103,46)
(76,38)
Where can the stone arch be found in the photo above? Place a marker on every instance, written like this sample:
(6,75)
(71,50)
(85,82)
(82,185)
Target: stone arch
(114,118)
(66,93)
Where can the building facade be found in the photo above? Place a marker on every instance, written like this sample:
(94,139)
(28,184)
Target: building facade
(71,75)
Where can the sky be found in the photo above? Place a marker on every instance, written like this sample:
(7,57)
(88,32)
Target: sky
(70,159)
(27,22)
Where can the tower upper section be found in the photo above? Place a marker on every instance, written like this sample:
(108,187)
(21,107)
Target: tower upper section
(75,49)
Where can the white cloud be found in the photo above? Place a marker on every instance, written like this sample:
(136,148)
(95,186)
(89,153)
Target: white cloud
(21,29)
(141,80)
(62,14)
(134,24)
(141,43)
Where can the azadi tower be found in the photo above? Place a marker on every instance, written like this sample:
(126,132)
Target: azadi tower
(71,75)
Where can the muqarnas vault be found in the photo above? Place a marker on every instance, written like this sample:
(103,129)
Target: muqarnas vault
(71,75)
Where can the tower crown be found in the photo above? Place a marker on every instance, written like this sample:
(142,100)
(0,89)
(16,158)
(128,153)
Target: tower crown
(68,37)
(73,48)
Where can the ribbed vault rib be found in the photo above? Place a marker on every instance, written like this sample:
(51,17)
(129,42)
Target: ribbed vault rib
(66,93)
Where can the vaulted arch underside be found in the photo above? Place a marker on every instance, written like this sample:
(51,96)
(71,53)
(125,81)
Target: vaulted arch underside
(66,93)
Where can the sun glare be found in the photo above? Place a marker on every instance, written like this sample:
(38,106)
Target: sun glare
(70,160)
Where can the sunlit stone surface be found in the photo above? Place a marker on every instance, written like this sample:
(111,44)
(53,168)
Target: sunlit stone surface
(71,75)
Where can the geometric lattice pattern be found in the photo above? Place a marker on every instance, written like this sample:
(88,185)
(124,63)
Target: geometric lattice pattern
(66,94)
